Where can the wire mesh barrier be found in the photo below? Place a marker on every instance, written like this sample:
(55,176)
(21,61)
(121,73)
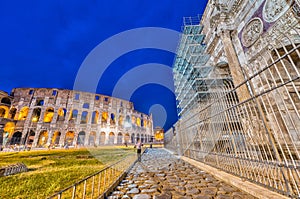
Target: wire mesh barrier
(98,184)
(251,130)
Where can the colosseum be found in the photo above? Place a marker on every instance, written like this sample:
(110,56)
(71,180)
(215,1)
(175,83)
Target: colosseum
(40,117)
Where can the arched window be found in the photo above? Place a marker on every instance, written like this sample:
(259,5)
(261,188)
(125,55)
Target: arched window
(61,114)
(142,123)
(23,113)
(48,116)
(104,117)
(138,121)
(16,138)
(120,138)
(86,105)
(9,127)
(42,139)
(3,111)
(73,115)
(133,120)
(81,138)
(40,102)
(95,117)
(69,138)
(12,113)
(92,138)
(112,119)
(30,138)
(120,122)
(36,115)
(127,138)
(138,137)
(102,138)
(6,100)
(84,117)
(127,123)
(55,138)
(111,138)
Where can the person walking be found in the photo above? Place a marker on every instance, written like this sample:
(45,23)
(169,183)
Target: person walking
(138,146)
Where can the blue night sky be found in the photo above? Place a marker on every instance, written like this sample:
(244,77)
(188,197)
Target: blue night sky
(44,43)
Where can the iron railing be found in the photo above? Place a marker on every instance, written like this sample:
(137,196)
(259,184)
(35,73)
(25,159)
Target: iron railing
(256,137)
(98,184)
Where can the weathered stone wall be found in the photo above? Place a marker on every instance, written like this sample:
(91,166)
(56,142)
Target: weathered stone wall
(45,116)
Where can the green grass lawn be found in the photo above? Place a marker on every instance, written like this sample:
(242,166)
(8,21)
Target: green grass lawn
(53,170)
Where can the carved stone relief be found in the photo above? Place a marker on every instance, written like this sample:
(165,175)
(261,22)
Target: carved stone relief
(252,32)
(274,9)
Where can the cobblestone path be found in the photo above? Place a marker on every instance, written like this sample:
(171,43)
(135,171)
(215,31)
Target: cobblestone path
(162,175)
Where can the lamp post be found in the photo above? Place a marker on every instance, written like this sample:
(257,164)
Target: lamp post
(2,136)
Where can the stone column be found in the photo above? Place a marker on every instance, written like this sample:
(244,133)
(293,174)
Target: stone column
(50,135)
(97,137)
(234,64)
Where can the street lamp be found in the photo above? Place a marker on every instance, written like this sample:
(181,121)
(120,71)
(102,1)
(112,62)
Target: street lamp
(1,135)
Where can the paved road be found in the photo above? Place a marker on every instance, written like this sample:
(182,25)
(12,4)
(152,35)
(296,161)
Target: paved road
(161,175)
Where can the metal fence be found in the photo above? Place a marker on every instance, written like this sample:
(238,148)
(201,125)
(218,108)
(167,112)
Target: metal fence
(98,184)
(256,137)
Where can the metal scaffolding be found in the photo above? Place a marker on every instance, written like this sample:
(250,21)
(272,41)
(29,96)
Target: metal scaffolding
(257,138)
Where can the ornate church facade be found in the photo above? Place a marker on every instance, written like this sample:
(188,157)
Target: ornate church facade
(237,83)
(40,117)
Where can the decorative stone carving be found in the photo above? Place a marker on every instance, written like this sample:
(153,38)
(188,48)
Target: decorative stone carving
(252,32)
(274,9)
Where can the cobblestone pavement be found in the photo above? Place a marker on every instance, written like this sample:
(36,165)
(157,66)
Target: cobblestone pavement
(162,175)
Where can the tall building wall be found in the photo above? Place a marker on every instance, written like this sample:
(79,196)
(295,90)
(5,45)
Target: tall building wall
(42,116)
(244,118)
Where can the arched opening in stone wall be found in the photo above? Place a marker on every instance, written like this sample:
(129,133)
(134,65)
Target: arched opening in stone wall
(104,117)
(127,138)
(120,121)
(133,120)
(69,138)
(138,137)
(43,137)
(119,138)
(30,138)
(112,119)
(81,138)
(132,138)
(142,138)
(145,123)
(48,115)
(86,105)
(61,114)
(23,113)
(16,138)
(12,113)
(95,117)
(102,138)
(4,111)
(36,115)
(56,137)
(9,127)
(6,100)
(84,117)
(92,139)
(111,138)
(138,121)
(142,123)
(40,102)
(73,115)
(149,124)
(127,123)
